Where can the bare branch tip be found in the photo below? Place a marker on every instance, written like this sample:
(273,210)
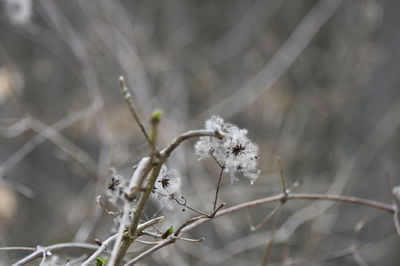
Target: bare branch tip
(121,81)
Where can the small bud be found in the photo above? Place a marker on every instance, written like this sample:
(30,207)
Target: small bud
(121,81)
(167,233)
(156,116)
(101,261)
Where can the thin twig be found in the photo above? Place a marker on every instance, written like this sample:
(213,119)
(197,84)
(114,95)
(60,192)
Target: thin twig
(356,253)
(44,254)
(132,108)
(172,238)
(159,236)
(16,129)
(120,235)
(218,186)
(107,211)
(270,242)
(395,205)
(357,257)
(396,219)
(284,187)
(266,219)
(132,232)
(215,159)
(191,239)
(17,248)
(194,222)
(38,253)
(150,223)
(184,204)
(147,242)
(138,176)
(195,219)
(267,251)
(103,246)
(390,187)
(190,134)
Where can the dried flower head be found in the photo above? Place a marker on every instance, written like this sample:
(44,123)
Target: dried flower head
(116,188)
(166,188)
(235,152)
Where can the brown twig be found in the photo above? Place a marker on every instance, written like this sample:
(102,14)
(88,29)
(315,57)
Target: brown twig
(104,208)
(17,248)
(284,187)
(218,186)
(266,219)
(128,99)
(103,246)
(194,222)
(172,238)
(184,204)
(190,134)
(39,252)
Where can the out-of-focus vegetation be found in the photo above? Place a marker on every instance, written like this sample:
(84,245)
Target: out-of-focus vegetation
(314,82)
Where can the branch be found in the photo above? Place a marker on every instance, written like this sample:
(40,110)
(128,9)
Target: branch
(99,250)
(190,134)
(17,248)
(120,234)
(266,219)
(132,232)
(39,252)
(196,221)
(396,219)
(128,100)
(284,187)
(171,239)
(218,186)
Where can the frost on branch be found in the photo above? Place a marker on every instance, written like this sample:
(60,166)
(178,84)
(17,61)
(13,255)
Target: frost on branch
(167,187)
(235,152)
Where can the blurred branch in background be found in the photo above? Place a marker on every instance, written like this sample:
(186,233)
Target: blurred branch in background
(314,82)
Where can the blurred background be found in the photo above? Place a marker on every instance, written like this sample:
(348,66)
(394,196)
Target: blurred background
(314,82)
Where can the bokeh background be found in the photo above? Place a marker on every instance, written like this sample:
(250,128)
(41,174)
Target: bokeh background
(314,82)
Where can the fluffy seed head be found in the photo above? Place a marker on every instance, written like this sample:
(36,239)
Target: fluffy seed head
(235,152)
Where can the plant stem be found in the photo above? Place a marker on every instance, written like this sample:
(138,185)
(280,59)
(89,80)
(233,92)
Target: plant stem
(131,234)
(132,108)
(218,185)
